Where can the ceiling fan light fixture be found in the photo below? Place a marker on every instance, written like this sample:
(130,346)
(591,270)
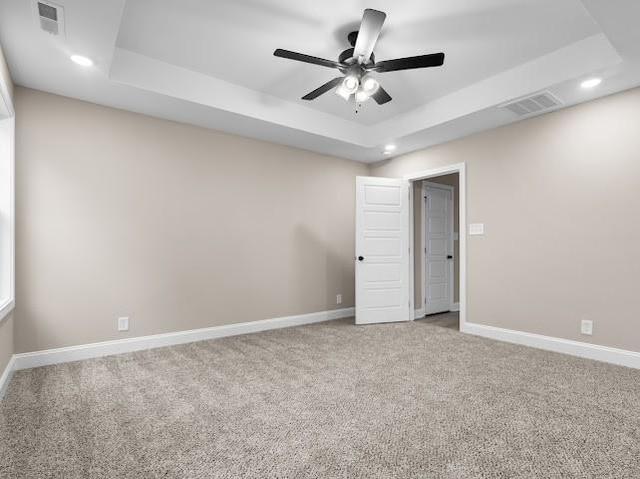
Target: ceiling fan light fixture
(341,91)
(370,84)
(362,95)
(351,83)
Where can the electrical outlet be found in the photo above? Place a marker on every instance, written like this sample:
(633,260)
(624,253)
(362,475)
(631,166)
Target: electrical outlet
(123,324)
(339,298)
(586,327)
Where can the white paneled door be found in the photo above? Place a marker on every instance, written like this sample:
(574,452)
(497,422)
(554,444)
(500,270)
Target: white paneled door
(438,243)
(382,250)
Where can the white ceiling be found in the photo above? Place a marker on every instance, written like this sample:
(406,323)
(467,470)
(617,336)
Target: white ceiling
(235,42)
(211,63)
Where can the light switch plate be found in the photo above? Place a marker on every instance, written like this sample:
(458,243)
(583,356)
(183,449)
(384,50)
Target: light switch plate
(476,229)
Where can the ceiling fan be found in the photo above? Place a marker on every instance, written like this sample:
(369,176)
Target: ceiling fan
(358,65)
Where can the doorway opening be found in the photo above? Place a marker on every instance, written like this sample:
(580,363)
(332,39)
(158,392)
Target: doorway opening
(436,266)
(438,250)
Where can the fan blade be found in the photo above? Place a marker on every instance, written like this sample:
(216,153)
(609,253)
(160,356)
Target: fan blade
(421,61)
(323,89)
(370,28)
(381,96)
(301,57)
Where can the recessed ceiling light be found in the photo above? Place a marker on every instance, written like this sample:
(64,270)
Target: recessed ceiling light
(389,148)
(80,60)
(591,83)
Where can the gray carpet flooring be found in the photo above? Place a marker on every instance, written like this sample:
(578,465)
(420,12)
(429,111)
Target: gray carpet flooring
(445,320)
(330,400)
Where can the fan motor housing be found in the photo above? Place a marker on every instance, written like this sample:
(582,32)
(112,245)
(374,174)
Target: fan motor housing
(353,38)
(345,56)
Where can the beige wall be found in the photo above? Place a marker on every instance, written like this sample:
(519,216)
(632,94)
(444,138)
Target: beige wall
(181,227)
(176,226)
(560,199)
(449,180)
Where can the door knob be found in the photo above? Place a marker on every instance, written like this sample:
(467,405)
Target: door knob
(449,257)
(360,258)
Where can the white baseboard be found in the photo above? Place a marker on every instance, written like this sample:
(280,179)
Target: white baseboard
(108,348)
(455,307)
(6,376)
(606,354)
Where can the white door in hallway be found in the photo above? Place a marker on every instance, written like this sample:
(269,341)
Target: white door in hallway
(438,248)
(382,250)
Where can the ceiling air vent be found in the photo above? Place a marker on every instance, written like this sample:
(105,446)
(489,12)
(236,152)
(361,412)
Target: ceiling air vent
(538,103)
(51,17)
